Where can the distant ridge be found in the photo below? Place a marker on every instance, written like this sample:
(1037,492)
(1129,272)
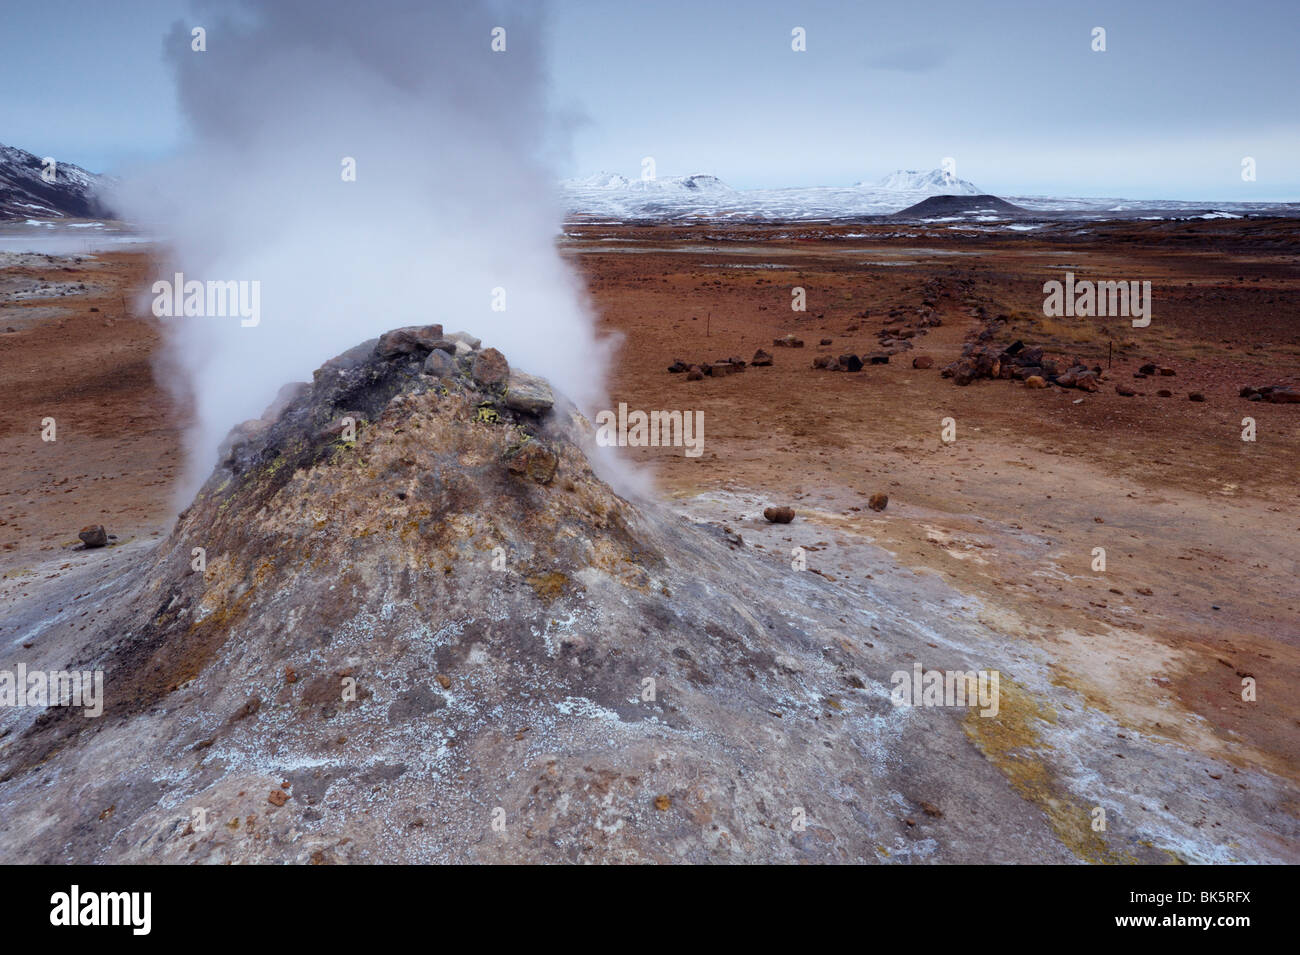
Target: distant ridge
(24,194)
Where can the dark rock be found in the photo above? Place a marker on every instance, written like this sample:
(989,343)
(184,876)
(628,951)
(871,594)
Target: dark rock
(761,359)
(922,361)
(93,535)
(850,362)
(695,373)
(878,501)
(788,341)
(439,364)
(779,515)
(409,340)
(490,367)
(1196,396)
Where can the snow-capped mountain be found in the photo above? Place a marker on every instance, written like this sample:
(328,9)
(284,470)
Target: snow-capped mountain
(707,197)
(932,182)
(615,197)
(607,181)
(24,194)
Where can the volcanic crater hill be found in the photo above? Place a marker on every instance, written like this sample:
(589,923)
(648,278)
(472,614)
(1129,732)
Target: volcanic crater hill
(961,206)
(423,612)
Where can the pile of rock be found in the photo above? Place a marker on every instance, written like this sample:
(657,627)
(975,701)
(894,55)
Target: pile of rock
(1030,365)
(461,355)
(406,357)
(719,368)
(1274,394)
(1150,371)
(849,362)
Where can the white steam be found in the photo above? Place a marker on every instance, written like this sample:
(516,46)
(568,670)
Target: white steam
(452,198)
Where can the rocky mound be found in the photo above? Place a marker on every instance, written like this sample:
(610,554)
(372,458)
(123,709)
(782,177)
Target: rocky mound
(405,620)
(961,206)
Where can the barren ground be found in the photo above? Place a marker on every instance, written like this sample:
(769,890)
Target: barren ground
(1199,527)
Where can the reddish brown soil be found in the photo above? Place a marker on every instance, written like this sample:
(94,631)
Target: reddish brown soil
(1184,507)
(117,440)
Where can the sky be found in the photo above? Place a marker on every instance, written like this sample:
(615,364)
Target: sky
(1013,92)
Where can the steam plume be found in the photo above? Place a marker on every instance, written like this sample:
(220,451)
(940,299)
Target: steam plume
(452,197)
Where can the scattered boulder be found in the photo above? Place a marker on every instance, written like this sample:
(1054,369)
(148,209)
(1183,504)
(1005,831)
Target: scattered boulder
(1035,381)
(761,359)
(779,515)
(93,535)
(1165,393)
(850,363)
(1167,372)
(720,369)
(678,366)
(1147,369)
(1125,391)
(1196,396)
(880,358)
(878,501)
(695,373)
(922,361)
(1274,394)
(788,341)
(825,341)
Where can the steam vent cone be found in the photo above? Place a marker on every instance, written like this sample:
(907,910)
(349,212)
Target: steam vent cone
(423,629)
